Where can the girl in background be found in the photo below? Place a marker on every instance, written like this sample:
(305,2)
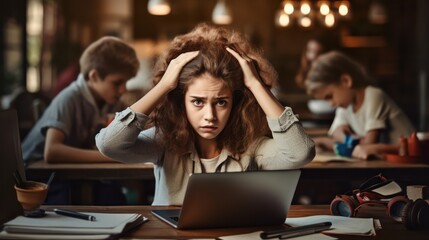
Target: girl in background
(363,111)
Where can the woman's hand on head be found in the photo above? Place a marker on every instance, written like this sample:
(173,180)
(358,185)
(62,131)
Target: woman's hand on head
(171,75)
(250,74)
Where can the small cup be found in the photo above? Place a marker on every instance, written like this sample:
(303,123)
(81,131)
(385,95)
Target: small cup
(424,141)
(31,195)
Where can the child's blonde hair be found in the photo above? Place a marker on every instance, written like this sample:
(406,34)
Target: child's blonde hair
(329,67)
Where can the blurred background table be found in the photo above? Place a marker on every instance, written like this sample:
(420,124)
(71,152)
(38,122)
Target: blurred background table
(320,181)
(137,179)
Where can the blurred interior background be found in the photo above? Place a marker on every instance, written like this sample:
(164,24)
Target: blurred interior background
(41,40)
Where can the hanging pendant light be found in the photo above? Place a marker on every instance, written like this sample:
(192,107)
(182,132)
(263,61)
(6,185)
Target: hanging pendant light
(158,7)
(221,13)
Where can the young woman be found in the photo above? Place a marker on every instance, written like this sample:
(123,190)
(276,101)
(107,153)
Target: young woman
(363,111)
(212,111)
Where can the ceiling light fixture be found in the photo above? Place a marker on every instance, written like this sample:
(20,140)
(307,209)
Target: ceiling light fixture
(305,12)
(221,13)
(158,7)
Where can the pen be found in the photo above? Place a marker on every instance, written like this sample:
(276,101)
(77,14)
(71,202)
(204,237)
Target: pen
(74,214)
(296,231)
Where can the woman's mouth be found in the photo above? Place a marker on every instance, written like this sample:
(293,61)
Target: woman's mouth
(208,128)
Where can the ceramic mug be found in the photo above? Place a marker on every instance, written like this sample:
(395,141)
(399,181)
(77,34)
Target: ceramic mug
(31,194)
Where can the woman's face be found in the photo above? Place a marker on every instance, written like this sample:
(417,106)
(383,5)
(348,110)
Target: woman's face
(208,104)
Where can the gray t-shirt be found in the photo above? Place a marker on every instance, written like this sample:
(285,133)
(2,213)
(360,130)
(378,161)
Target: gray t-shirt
(378,111)
(75,113)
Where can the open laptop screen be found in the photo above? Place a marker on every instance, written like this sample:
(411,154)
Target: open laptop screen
(10,160)
(234,199)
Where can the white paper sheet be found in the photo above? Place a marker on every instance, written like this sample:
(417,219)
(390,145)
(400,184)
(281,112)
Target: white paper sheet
(256,236)
(340,225)
(331,157)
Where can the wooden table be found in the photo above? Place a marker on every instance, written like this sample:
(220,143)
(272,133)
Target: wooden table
(156,229)
(86,174)
(363,169)
(341,171)
(331,178)
(90,171)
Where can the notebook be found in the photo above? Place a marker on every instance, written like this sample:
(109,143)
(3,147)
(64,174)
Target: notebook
(234,199)
(10,161)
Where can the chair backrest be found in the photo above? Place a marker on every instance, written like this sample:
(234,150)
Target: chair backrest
(10,161)
(29,107)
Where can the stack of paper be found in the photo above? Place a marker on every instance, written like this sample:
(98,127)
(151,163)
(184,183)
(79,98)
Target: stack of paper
(340,225)
(257,236)
(54,226)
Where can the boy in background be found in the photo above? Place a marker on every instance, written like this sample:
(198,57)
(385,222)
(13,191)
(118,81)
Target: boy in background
(66,130)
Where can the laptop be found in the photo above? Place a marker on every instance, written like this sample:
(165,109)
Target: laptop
(10,161)
(234,199)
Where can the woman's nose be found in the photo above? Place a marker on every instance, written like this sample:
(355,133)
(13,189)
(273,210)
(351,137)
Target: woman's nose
(210,114)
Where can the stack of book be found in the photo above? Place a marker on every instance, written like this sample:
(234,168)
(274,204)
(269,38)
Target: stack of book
(55,226)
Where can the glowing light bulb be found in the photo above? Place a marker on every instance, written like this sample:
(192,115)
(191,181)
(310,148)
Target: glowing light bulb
(305,21)
(284,20)
(158,7)
(288,7)
(305,8)
(324,9)
(329,20)
(343,9)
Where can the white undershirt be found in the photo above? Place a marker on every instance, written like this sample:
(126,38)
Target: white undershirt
(210,164)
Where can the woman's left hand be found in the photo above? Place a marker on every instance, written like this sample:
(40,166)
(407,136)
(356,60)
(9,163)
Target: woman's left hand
(250,74)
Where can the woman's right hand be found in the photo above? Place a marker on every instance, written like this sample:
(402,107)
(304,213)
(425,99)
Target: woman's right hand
(168,82)
(171,75)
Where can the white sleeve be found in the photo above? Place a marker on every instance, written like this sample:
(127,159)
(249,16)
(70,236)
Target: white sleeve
(125,140)
(340,119)
(376,110)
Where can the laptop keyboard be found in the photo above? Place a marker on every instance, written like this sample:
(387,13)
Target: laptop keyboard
(175,219)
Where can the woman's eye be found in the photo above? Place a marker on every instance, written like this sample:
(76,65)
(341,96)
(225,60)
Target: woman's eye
(197,102)
(221,103)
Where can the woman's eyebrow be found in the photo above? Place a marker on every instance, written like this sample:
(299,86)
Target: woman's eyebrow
(220,97)
(198,97)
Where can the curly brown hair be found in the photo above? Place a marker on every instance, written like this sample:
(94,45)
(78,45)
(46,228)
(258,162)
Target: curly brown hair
(247,121)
